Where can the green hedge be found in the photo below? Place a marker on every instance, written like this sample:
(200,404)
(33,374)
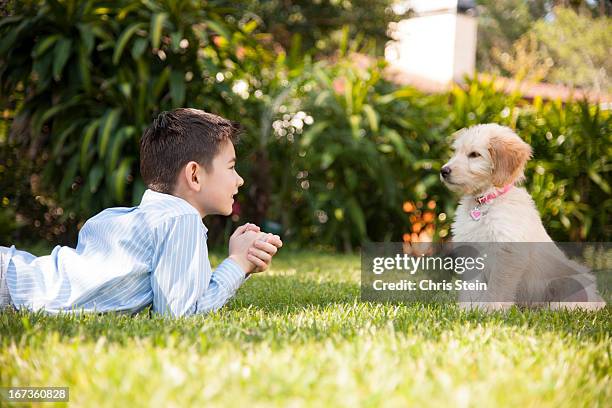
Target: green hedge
(569,175)
(334,154)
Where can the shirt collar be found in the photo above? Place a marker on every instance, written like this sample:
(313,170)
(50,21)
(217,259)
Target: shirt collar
(151,196)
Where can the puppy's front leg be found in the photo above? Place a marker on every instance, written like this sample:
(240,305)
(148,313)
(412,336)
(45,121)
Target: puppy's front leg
(504,269)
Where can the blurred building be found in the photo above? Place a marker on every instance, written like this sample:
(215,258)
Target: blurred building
(437,44)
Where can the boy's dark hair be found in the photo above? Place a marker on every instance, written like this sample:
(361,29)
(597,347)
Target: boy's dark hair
(177,137)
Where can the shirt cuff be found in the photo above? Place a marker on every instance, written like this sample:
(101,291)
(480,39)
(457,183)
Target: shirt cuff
(233,275)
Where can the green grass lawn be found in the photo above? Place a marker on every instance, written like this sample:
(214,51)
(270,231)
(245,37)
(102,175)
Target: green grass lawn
(299,336)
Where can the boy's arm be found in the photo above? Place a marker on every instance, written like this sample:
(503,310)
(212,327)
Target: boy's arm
(249,249)
(232,272)
(183,282)
(181,269)
(224,283)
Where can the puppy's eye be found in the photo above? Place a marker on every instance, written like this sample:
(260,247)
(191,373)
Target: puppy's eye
(473,155)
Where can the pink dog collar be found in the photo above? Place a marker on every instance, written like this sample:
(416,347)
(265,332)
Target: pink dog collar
(485,199)
(476,213)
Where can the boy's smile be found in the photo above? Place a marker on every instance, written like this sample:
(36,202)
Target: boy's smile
(220,183)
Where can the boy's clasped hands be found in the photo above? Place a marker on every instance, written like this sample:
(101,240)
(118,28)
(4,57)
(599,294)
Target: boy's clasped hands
(252,249)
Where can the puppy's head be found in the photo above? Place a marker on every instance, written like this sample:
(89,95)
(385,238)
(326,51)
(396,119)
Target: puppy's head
(485,156)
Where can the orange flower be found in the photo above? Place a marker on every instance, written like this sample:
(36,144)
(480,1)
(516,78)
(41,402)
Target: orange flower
(408,207)
(218,40)
(240,53)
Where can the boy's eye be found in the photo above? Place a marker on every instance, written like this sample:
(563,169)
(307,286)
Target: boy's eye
(473,155)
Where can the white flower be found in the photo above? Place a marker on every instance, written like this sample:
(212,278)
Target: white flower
(241,88)
(297,122)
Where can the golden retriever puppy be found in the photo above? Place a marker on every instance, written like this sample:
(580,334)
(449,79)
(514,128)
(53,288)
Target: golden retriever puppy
(487,164)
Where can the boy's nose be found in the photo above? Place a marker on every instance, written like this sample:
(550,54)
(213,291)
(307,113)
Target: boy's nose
(240,181)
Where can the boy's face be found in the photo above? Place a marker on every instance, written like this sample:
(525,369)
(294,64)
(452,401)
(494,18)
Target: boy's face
(221,183)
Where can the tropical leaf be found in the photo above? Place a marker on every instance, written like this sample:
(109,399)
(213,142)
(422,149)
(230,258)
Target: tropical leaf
(120,179)
(87,141)
(124,38)
(61,55)
(177,87)
(122,136)
(139,47)
(372,116)
(157,23)
(95,177)
(106,129)
(44,45)
(357,217)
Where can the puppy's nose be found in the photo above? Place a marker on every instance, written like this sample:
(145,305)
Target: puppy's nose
(445,171)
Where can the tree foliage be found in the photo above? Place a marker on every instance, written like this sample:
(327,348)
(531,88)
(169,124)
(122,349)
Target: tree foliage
(580,47)
(85,79)
(317,21)
(565,42)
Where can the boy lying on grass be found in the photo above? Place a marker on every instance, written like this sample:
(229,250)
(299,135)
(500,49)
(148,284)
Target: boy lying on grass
(155,253)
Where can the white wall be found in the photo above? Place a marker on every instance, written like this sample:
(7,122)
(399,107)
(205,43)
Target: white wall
(440,46)
(425,46)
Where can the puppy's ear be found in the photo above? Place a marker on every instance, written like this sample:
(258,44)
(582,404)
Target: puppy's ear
(458,133)
(509,154)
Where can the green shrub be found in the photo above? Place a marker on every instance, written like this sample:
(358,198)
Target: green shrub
(85,79)
(569,175)
(370,148)
(366,168)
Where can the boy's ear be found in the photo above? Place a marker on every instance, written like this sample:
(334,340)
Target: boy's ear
(192,175)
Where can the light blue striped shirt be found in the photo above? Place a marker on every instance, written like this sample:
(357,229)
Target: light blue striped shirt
(125,260)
